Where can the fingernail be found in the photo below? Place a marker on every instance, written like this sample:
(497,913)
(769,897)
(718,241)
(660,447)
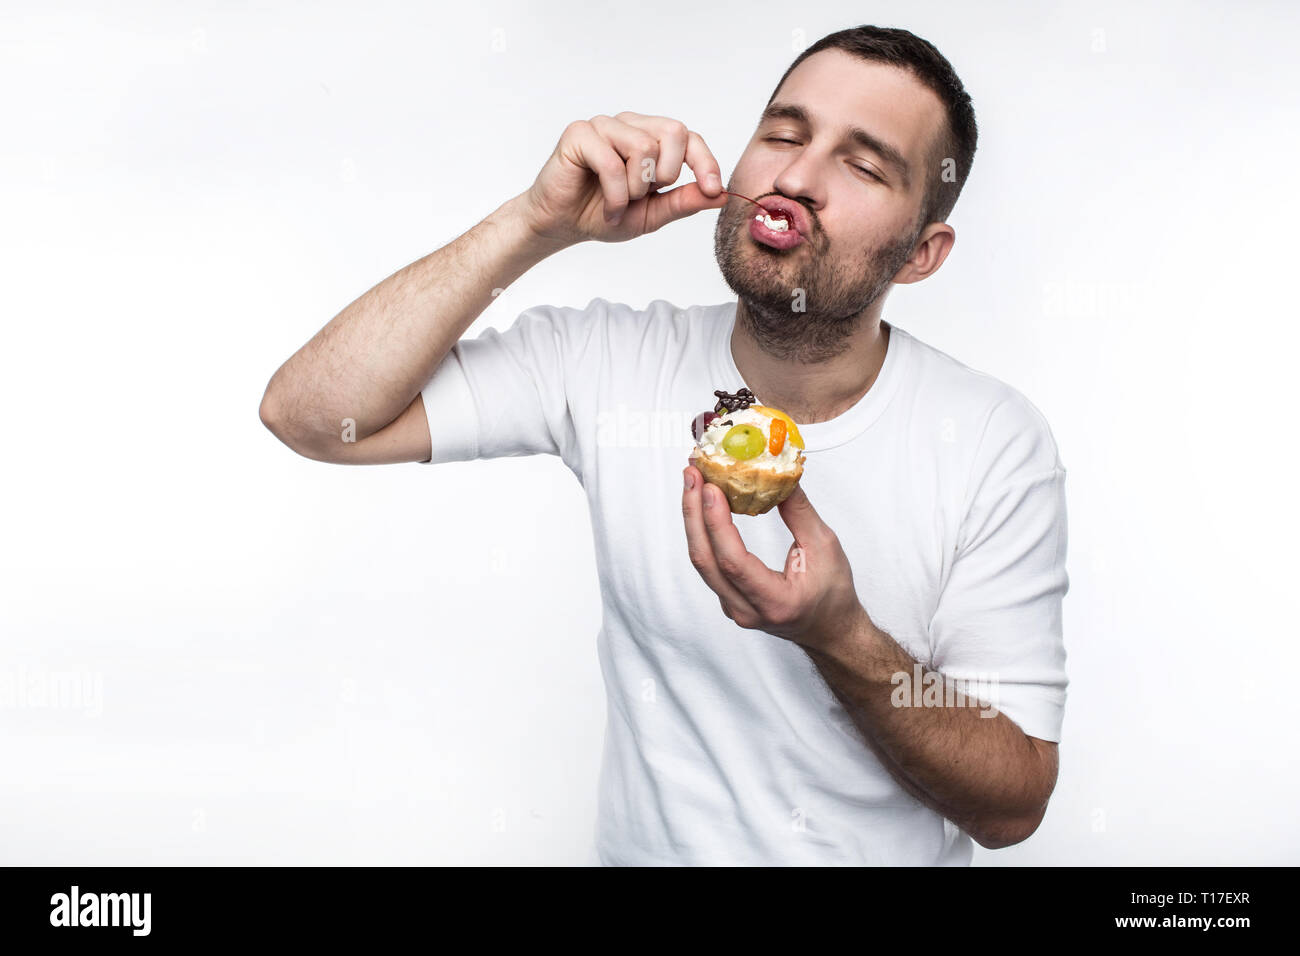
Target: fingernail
(708,498)
(690,482)
(712,181)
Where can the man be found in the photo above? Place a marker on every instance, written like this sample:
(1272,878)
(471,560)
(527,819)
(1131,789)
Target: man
(898,688)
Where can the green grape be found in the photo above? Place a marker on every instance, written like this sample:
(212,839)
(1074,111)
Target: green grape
(744,441)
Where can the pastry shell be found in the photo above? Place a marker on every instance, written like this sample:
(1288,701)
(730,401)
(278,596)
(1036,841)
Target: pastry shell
(750,489)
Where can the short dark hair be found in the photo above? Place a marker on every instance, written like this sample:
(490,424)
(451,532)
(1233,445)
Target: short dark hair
(956,141)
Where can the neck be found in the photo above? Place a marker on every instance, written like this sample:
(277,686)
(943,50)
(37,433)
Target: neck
(816,390)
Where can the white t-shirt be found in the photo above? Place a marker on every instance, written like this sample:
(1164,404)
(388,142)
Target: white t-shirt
(724,745)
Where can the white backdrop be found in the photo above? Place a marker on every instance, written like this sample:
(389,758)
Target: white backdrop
(216,651)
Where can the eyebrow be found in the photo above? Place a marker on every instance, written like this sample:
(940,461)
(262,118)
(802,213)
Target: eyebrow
(890,154)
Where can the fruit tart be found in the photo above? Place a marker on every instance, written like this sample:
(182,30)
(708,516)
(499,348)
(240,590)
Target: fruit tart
(750,451)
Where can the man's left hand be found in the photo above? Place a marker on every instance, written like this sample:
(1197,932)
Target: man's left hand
(812,602)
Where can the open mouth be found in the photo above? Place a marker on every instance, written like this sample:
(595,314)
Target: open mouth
(775,229)
(777,222)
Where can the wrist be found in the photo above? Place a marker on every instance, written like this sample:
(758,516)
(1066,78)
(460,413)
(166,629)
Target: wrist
(514,218)
(861,647)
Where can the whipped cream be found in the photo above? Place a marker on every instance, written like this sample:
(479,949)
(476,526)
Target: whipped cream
(711,441)
(776,225)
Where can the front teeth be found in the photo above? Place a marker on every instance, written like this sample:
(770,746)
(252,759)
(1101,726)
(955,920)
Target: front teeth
(776,225)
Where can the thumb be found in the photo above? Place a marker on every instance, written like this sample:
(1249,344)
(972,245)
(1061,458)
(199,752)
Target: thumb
(800,516)
(685,200)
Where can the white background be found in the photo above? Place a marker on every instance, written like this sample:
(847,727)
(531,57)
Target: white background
(306,663)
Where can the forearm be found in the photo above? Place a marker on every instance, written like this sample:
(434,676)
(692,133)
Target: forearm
(371,360)
(981,772)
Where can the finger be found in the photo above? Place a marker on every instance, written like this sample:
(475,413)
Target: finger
(761,586)
(672,135)
(701,551)
(801,518)
(685,200)
(704,165)
(595,153)
(638,148)
(796,559)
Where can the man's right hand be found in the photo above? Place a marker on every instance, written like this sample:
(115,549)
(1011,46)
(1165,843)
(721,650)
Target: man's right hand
(602,179)
(369,362)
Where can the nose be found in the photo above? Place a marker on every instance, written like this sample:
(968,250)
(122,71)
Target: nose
(798,184)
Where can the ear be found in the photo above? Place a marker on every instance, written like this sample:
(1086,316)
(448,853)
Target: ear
(932,247)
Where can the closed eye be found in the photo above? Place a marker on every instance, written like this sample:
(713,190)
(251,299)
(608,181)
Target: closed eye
(864,169)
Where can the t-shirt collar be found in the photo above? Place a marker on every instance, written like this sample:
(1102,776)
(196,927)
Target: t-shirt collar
(819,436)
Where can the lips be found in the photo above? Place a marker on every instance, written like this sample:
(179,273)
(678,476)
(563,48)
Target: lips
(794,212)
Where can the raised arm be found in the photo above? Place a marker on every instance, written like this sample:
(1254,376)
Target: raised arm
(351,395)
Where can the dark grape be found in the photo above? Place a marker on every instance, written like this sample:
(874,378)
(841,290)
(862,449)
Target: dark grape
(701,422)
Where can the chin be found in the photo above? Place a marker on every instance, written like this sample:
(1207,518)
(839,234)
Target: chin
(758,286)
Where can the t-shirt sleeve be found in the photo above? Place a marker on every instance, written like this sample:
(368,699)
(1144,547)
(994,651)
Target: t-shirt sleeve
(510,393)
(998,626)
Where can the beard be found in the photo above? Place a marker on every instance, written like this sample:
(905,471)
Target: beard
(837,291)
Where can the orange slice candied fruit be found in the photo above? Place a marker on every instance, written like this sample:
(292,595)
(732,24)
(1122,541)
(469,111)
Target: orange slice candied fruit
(791,428)
(777,441)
